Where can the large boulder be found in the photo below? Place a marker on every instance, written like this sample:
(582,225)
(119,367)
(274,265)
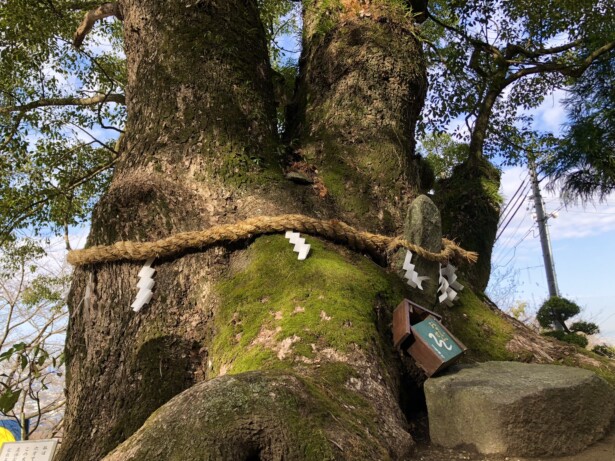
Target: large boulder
(519,409)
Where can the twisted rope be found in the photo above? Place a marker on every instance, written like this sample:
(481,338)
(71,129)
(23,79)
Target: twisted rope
(227,233)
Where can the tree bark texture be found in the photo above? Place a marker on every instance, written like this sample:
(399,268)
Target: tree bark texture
(308,341)
(361,88)
(469,200)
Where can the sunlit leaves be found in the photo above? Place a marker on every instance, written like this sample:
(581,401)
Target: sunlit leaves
(478,46)
(55,159)
(442,152)
(280,18)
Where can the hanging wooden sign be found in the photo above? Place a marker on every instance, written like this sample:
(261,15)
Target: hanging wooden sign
(420,333)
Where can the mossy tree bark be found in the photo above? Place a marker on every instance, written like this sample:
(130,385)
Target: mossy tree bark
(469,203)
(469,200)
(360,92)
(201,148)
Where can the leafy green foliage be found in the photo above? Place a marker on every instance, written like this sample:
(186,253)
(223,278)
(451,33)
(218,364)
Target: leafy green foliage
(584,163)
(559,310)
(57,148)
(556,309)
(572,338)
(443,153)
(588,328)
(280,18)
(488,59)
(8,399)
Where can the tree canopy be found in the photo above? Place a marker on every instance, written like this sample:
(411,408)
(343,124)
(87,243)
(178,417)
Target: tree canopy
(583,164)
(492,61)
(62,108)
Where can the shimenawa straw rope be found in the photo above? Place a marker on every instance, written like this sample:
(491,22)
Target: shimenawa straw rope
(333,230)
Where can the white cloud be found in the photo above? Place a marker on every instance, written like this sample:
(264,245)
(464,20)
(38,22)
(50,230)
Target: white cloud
(574,221)
(551,115)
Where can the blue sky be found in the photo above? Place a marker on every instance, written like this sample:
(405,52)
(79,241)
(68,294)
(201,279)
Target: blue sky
(583,242)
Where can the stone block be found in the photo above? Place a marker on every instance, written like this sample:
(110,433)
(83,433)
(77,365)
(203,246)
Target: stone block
(519,409)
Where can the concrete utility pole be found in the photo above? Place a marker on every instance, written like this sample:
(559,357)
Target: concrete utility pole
(545,241)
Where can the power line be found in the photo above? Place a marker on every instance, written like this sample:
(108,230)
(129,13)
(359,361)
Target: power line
(513,234)
(521,198)
(521,202)
(515,194)
(514,248)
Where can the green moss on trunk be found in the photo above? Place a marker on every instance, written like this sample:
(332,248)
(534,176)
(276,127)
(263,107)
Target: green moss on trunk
(361,88)
(276,311)
(257,415)
(469,202)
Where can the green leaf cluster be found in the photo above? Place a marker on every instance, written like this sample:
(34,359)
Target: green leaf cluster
(280,18)
(584,163)
(519,51)
(443,153)
(56,154)
(571,338)
(559,310)
(556,309)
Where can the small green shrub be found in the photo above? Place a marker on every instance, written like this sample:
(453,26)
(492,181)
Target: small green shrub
(556,309)
(572,338)
(605,350)
(588,328)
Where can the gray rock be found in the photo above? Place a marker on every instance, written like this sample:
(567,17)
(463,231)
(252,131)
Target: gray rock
(519,409)
(423,227)
(299,178)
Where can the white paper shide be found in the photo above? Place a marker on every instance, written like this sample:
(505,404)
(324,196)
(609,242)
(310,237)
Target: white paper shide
(412,277)
(299,244)
(449,286)
(145,285)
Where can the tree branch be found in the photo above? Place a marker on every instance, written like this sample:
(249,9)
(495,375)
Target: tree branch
(69,101)
(33,208)
(103,11)
(473,40)
(565,69)
(12,132)
(513,49)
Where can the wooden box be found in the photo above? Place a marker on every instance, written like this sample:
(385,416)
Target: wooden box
(419,332)
(434,347)
(405,315)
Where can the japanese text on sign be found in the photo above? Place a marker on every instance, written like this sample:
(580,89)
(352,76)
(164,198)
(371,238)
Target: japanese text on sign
(30,450)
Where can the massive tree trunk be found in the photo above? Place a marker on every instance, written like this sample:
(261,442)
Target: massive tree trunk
(201,149)
(360,92)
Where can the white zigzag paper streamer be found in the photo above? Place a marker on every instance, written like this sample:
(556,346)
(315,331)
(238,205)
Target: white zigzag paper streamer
(450,273)
(411,275)
(145,285)
(300,246)
(449,286)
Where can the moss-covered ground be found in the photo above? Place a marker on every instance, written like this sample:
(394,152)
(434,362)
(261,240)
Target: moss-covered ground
(276,310)
(483,331)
